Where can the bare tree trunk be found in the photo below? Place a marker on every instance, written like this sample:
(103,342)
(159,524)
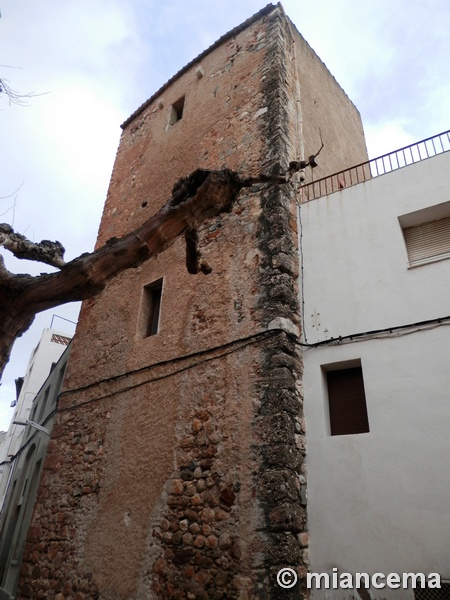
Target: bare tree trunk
(196,198)
(202,195)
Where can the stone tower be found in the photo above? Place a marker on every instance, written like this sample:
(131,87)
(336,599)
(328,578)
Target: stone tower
(175,468)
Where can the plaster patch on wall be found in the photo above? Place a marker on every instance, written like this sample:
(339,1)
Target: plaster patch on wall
(260,112)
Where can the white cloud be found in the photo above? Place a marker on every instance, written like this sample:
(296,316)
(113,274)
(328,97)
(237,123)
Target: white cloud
(60,149)
(390,57)
(386,138)
(69,119)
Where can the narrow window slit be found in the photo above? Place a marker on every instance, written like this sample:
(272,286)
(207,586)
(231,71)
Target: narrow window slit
(176,111)
(151,308)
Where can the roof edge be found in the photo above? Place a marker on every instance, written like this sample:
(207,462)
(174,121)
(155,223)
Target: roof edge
(262,13)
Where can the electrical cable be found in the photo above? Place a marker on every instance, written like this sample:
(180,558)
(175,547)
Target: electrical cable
(171,360)
(354,337)
(248,340)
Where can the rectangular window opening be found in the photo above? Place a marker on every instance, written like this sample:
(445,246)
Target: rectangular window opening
(151,308)
(347,401)
(428,242)
(427,234)
(34,411)
(176,111)
(43,405)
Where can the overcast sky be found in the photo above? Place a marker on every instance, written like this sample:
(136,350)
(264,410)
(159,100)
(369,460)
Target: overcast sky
(93,62)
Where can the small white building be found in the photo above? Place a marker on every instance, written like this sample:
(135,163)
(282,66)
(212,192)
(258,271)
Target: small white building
(25,473)
(43,359)
(375,289)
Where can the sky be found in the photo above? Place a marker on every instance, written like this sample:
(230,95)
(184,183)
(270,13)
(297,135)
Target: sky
(90,63)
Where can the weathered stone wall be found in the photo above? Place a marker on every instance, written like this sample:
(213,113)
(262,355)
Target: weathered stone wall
(280,480)
(176,464)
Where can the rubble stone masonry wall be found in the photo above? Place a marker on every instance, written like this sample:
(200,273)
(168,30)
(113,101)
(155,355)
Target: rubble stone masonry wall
(175,468)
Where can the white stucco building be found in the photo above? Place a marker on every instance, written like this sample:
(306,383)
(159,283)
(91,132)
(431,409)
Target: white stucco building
(375,293)
(25,473)
(43,358)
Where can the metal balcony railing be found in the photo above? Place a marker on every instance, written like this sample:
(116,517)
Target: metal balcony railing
(376,166)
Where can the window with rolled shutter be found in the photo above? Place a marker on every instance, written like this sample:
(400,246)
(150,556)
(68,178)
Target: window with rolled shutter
(428,242)
(347,401)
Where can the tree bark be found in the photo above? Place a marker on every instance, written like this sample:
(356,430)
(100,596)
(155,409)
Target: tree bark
(196,198)
(202,195)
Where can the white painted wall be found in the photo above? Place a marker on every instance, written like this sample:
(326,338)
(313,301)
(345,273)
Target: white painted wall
(356,276)
(378,501)
(24,481)
(38,369)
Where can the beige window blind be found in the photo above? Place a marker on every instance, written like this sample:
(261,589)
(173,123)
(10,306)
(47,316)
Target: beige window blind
(428,242)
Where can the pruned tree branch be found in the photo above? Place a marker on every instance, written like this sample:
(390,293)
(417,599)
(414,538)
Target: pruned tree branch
(49,253)
(196,198)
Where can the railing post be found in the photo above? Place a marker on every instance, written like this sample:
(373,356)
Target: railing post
(373,166)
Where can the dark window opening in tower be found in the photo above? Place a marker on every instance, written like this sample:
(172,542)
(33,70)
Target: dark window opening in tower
(151,308)
(176,111)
